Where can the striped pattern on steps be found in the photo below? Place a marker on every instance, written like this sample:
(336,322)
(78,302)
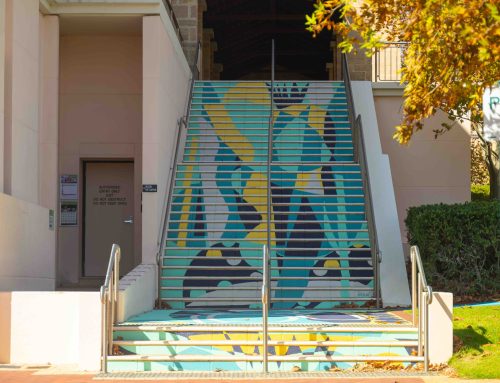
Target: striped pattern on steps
(231,340)
(320,253)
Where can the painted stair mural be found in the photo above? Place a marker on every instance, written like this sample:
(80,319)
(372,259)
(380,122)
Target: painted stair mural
(320,249)
(322,314)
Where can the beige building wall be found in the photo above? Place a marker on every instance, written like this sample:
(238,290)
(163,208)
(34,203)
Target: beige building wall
(166,76)
(21,131)
(428,170)
(27,246)
(100,117)
(27,240)
(48,110)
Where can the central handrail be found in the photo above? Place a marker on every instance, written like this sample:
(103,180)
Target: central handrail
(265,307)
(171,179)
(358,141)
(109,305)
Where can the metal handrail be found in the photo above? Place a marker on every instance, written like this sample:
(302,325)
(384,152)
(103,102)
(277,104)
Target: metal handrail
(173,18)
(421,298)
(265,307)
(270,150)
(171,179)
(358,141)
(109,305)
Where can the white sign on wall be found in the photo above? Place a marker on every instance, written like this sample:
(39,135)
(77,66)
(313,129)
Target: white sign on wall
(491,111)
(68,197)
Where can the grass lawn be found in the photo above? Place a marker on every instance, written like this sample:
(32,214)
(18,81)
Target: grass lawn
(479,330)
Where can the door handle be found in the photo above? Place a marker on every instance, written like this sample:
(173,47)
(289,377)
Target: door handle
(129,220)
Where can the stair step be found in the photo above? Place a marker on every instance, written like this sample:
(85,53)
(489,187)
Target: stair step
(350,259)
(257,358)
(259,278)
(204,288)
(189,267)
(273,230)
(196,342)
(392,328)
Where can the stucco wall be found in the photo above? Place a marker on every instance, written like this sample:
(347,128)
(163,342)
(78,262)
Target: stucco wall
(27,246)
(68,332)
(165,81)
(100,117)
(21,99)
(428,170)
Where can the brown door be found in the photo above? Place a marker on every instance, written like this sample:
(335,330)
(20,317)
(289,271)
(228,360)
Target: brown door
(108,215)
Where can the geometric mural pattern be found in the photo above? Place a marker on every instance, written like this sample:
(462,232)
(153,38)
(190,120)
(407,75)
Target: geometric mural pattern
(320,248)
(247,343)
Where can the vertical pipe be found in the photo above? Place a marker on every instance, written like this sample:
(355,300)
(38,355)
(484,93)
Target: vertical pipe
(413,286)
(426,331)
(104,339)
(419,316)
(265,303)
(265,255)
(270,154)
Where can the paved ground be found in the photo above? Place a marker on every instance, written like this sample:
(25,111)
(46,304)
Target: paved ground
(28,376)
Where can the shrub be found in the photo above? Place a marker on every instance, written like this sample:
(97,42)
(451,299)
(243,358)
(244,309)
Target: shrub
(459,245)
(480,192)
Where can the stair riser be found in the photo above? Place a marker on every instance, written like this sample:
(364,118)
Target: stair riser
(230,366)
(256,350)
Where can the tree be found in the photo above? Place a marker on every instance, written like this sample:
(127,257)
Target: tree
(452,56)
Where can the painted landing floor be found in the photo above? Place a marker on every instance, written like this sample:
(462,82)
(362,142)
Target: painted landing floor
(276,317)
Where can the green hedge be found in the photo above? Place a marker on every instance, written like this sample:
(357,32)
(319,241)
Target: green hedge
(459,245)
(480,192)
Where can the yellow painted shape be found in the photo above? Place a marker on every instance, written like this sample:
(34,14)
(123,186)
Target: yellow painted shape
(331,264)
(292,110)
(242,91)
(242,148)
(255,191)
(214,253)
(185,207)
(316,119)
(258,234)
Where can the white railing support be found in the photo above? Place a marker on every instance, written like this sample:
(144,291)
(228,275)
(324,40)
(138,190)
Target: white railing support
(109,305)
(265,307)
(421,298)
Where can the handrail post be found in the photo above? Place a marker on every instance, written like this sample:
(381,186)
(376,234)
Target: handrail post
(109,304)
(265,307)
(419,283)
(413,286)
(426,332)
(104,338)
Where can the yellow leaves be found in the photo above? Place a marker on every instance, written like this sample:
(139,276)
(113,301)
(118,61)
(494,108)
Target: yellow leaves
(452,54)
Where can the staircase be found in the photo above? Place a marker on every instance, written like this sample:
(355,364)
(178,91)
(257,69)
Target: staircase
(311,215)
(320,248)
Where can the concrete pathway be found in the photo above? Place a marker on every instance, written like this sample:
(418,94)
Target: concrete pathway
(44,376)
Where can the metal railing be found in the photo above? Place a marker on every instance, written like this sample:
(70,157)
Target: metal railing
(421,298)
(265,306)
(388,61)
(171,179)
(109,305)
(358,141)
(173,18)
(270,150)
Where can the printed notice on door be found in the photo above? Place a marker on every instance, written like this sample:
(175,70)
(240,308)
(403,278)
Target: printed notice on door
(109,195)
(68,197)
